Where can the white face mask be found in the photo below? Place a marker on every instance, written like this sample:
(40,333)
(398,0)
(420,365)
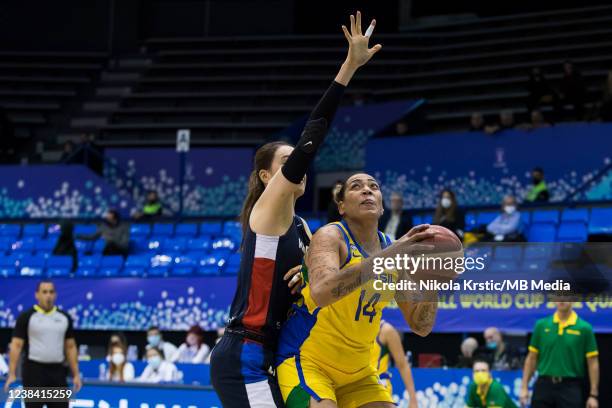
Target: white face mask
(118,358)
(155,362)
(445,202)
(509,209)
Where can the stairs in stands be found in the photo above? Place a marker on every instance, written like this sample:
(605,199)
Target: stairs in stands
(116,82)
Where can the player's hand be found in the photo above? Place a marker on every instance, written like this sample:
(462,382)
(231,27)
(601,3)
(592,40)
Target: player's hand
(77,383)
(294,277)
(524,397)
(9,380)
(592,403)
(359,53)
(412,240)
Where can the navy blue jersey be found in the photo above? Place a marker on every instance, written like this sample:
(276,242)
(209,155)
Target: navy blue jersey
(263,298)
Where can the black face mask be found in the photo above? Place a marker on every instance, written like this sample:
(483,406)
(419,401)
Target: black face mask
(535,180)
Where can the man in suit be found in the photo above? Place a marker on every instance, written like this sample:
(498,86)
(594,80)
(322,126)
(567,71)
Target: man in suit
(395,222)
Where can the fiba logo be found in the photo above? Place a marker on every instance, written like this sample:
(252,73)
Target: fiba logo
(500,158)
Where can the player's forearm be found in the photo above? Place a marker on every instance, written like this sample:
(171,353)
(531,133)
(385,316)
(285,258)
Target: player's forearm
(529,368)
(347,70)
(420,316)
(593,368)
(73,360)
(406,375)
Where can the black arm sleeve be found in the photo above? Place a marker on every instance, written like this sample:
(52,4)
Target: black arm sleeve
(313,134)
(70,329)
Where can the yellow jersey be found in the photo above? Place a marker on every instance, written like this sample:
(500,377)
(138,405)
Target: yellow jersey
(380,357)
(341,335)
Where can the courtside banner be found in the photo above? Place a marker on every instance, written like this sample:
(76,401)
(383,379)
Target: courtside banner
(178,303)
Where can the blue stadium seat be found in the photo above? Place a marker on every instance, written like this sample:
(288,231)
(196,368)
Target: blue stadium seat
(542,232)
(98,246)
(470,221)
(83,246)
(223,243)
(210,265)
(136,265)
(178,244)
(233,264)
(232,229)
(110,265)
(427,219)
(162,229)
(480,251)
(211,228)
(535,266)
(572,231)
(90,262)
(6,244)
(314,224)
(203,244)
(34,230)
(86,272)
(8,265)
(25,245)
(417,219)
(10,230)
(184,265)
(153,245)
(140,230)
(485,217)
(161,264)
(525,218)
(601,221)
(53,230)
(58,266)
(32,265)
(575,214)
(508,252)
(186,230)
(544,216)
(503,266)
(85,229)
(45,245)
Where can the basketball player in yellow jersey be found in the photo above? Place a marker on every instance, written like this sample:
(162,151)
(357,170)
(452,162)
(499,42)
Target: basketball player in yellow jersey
(324,349)
(388,345)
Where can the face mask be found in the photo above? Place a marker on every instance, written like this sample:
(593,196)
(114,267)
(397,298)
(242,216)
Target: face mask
(535,180)
(492,345)
(446,202)
(155,362)
(154,340)
(118,358)
(480,377)
(509,209)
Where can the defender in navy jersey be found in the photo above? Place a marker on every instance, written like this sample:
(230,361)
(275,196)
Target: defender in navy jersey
(274,241)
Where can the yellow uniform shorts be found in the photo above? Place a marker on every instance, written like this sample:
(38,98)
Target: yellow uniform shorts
(300,379)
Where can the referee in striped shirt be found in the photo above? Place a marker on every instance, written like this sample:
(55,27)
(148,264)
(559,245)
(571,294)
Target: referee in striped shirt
(45,335)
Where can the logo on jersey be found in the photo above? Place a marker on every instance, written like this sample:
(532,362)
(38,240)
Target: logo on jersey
(355,252)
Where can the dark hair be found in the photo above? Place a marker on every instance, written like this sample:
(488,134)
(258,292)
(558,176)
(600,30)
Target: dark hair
(537,170)
(153,328)
(339,196)
(157,350)
(481,360)
(262,161)
(122,340)
(197,330)
(447,213)
(43,281)
(115,214)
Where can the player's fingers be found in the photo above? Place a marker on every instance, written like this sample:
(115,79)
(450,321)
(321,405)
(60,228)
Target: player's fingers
(346,33)
(421,248)
(418,228)
(421,236)
(358,22)
(375,49)
(353,29)
(296,280)
(370,29)
(291,272)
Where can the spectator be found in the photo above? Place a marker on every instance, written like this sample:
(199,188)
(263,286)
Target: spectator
(332,209)
(194,350)
(477,123)
(152,208)
(539,190)
(155,340)
(120,369)
(115,234)
(468,347)
(485,391)
(573,91)
(506,227)
(605,105)
(67,152)
(499,354)
(117,339)
(537,120)
(506,121)
(158,370)
(65,243)
(563,349)
(395,222)
(540,91)
(448,213)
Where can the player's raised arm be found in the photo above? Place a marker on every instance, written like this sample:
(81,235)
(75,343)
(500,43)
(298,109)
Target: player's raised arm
(273,212)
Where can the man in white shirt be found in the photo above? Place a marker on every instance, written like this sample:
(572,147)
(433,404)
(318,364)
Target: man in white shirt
(155,339)
(157,369)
